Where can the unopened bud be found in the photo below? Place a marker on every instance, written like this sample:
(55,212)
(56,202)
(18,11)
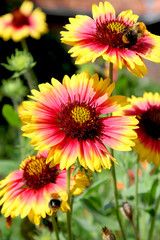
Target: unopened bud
(107,234)
(126,210)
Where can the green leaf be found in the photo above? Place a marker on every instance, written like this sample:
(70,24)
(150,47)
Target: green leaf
(150,211)
(154,190)
(84,224)
(7,66)
(75,170)
(10,115)
(109,205)
(94,187)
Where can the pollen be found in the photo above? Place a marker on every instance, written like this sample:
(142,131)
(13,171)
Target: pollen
(37,173)
(80,114)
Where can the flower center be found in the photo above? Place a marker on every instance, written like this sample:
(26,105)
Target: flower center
(19,19)
(150,122)
(80,120)
(80,114)
(110,34)
(37,173)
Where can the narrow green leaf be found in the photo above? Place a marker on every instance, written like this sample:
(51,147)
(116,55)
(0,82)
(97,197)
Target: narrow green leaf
(94,187)
(10,115)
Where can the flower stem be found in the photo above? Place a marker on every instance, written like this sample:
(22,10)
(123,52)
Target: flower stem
(55,226)
(69,201)
(143,230)
(24,45)
(116,199)
(29,74)
(111,71)
(135,229)
(136,195)
(113,170)
(153,219)
(31,79)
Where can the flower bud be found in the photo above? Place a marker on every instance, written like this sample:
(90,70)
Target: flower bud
(126,210)
(19,63)
(107,234)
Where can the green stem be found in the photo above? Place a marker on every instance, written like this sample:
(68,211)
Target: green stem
(69,201)
(72,201)
(29,74)
(24,45)
(116,198)
(31,79)
(114,173)
(55,226)
(143,230)
(111,71)
(153,219)
(136,195)
(135,230)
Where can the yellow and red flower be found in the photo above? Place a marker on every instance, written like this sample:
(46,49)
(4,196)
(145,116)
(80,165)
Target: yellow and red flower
(69,118)
(147,111)
(103,34)
(23,22)
(29,191)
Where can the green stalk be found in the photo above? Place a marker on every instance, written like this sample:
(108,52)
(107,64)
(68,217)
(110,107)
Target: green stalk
(111,71)
(29,74)
(114,173)
(153,219)
(69,201)
(24,45)
(116,198)
(55,226)
(31,79)
(135,229)
(143,230)
(136,195)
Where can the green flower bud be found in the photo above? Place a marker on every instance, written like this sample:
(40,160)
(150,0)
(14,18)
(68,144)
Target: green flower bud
(19,62)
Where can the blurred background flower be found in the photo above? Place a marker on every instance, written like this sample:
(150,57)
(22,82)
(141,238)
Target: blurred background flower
(23,22)
(147,111)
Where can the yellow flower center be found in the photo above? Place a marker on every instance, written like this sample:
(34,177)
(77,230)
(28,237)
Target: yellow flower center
(35,167)
(80,114)
(116,26)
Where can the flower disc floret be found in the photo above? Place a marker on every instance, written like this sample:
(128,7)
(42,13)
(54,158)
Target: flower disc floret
(68,118)
(120,40)
(37,174)
(80,121)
